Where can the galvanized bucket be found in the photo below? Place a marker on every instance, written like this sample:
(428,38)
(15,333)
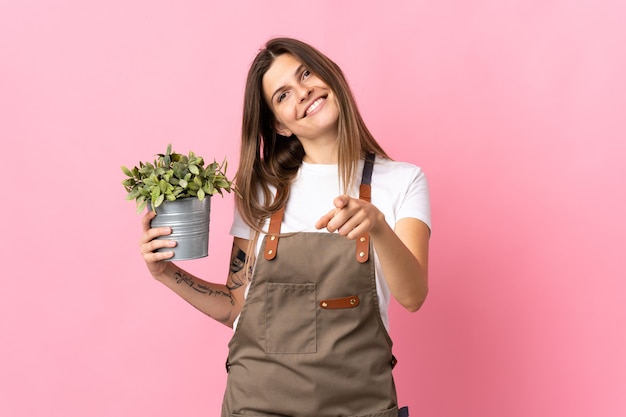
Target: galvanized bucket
(189,220)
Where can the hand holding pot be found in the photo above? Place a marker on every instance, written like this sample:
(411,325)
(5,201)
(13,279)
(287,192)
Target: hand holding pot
(149,244)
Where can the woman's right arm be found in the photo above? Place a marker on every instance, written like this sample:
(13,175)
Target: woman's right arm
(223,302)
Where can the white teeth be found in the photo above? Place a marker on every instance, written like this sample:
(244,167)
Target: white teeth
(314,106)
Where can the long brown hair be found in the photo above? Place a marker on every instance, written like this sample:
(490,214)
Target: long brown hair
(269,159)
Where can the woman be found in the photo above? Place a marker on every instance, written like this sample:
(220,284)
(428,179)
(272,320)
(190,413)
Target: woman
(327,229)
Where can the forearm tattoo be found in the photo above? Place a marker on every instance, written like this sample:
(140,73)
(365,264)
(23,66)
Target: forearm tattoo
(182,278)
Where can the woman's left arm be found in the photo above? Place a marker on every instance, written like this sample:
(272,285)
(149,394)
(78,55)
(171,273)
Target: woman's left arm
(403,252)
(403,256)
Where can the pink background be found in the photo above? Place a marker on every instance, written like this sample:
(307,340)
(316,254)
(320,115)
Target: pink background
(515,109)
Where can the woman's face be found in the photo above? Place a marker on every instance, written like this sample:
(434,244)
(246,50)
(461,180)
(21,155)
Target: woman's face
(302,103)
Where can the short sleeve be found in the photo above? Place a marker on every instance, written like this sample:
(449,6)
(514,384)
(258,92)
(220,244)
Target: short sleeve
(416,202)
(239,228)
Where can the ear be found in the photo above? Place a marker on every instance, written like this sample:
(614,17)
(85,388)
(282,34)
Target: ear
(281,129)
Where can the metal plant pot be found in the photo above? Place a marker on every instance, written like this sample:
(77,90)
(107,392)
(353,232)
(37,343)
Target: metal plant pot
(189,220)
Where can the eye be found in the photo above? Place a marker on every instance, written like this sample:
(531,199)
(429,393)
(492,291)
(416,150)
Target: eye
(306,74)
(281,97)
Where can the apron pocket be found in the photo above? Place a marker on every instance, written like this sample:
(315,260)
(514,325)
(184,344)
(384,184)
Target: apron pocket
(290,318)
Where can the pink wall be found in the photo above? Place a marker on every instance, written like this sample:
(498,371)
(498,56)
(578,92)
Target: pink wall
(512,108)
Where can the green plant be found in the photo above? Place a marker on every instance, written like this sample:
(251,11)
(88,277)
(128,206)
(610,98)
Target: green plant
(172,176)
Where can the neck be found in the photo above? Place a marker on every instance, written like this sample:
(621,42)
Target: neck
(316,156)
(320,151)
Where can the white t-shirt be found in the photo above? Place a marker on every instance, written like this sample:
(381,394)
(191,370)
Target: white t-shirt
(399,190)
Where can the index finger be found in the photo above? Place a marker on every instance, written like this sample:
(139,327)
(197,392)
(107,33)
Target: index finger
(323,221)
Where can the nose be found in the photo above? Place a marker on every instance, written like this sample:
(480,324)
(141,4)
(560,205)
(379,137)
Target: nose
(304,92)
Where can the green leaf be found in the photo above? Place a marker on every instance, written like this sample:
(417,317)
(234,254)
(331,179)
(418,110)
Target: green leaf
(132,195)
(155,192)
(201,194)
(209,188)
(159,200)
(222,183)
(163,185)
(128,182)
(194,170)
(141,206)
(127,171)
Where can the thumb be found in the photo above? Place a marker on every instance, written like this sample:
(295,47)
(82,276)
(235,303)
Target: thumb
(341,201)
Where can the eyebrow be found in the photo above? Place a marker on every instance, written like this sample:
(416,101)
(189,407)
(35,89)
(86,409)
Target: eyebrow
(298,70)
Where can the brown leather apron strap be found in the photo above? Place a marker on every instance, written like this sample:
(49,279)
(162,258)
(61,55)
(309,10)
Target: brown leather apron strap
(271,244)
(365,194)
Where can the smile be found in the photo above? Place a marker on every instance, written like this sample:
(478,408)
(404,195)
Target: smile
(314,106)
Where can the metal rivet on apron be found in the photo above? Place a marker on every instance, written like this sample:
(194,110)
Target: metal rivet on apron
(361,254)
(324,304)
(353,301)
(272,237)
(270,252)
(362,239)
